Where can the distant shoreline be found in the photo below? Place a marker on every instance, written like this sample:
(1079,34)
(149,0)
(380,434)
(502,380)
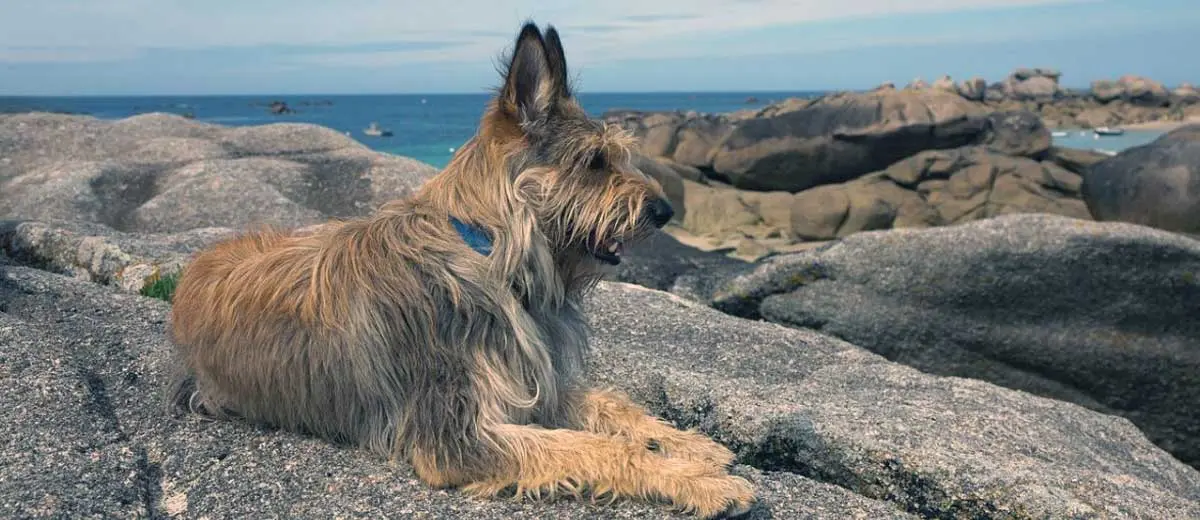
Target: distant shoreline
(1162,126)
(1149,126)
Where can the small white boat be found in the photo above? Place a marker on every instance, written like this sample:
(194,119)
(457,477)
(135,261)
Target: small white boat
(1058,134)
(373,130)
(1109,130)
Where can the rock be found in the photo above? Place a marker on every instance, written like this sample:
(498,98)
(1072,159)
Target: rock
(1099,314)
(1075,160)
(917,84)
(279,108)
(1019,133)
(1097,117)
(1040,89)
(887,85)
(843,136)
(668,177)
(937,188)
(1107,90)
(945,83)
(973,89)
(87,365)
(1185,94)
(97,253)
(166,173)
(663,263)
(685,138)
(1144,91)
(995,93)
(1025,85)
(1132,89)
(1157,184)
(696,138)
(1024,74)
(718,211)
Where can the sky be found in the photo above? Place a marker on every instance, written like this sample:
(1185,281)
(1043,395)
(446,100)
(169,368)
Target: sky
(177,47)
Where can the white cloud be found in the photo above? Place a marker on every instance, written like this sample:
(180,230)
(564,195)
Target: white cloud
(608,30)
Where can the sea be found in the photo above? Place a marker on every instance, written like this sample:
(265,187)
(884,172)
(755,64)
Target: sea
(429,127)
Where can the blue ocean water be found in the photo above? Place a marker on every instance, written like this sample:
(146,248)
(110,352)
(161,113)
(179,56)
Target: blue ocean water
(428,127)
(424,127)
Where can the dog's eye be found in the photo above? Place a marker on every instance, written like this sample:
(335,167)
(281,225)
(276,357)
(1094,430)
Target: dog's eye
(598,162)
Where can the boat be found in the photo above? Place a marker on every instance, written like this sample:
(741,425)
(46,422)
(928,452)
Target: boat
(374,130)
(1109,130)
(1058,134)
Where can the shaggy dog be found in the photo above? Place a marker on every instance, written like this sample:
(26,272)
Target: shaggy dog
(446,329)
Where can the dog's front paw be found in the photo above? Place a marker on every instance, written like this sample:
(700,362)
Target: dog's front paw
(726,496)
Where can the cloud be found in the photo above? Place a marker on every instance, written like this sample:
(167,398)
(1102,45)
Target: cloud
(660,17)
(594,31)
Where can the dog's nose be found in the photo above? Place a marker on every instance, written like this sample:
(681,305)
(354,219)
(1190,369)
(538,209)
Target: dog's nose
(660,212)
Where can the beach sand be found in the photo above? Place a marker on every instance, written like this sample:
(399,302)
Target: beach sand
(1162,126)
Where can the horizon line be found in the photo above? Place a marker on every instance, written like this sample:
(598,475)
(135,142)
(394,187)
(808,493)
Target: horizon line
(468,93)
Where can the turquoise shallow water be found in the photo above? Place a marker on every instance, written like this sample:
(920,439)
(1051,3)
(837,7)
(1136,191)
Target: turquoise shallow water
(425,127)
(1111,143)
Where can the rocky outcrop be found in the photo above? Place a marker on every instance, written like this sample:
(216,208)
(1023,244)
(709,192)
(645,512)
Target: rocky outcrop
(166,173)
(937,188)
(1136,90)
(933,188)
(1099,314)
(84,405)
(1036,84)
(1157,184)
(840,137)
(1126,100)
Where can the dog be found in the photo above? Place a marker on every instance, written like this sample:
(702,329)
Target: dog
(446,328)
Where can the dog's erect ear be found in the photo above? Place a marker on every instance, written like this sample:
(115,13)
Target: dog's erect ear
(531,83)
(557,61)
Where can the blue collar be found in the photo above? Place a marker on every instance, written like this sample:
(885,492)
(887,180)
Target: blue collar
(476,237)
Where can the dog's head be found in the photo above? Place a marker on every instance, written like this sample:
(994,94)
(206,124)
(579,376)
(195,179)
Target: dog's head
(575,174)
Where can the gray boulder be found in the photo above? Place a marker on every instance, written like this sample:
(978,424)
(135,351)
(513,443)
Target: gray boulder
(1018,133)
(1099,314)
(1156,184)
(167,173)
(843,136)
(1039,89)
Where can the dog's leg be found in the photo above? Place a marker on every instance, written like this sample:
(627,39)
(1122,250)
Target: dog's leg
(613,412)
(545,462)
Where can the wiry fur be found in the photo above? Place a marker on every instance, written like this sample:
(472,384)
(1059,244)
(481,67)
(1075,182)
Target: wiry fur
(390,333)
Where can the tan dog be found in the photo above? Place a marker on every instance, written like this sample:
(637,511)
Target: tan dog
(446,329)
